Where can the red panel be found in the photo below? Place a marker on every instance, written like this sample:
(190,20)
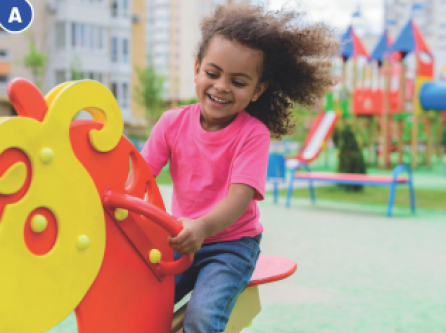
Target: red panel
(8,158)
(421,45)
(27,99)
(425,69)
(368,102)
(41,243)
(126,295)
(270,269)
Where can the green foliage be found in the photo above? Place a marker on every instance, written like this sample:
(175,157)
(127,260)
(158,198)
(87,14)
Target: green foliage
(192,100)
(36,61)
(302,118)
(351,159)
(76,69)
(148,93)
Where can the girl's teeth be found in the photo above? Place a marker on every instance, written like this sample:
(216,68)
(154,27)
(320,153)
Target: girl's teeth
(219,100)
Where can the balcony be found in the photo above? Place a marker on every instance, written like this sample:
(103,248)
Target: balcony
(3,94)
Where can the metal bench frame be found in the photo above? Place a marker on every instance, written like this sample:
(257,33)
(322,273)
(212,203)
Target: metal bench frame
(393,183)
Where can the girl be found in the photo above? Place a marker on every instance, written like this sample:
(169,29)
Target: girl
(250,68)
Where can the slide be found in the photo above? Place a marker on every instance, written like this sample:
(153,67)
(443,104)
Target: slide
(321,130)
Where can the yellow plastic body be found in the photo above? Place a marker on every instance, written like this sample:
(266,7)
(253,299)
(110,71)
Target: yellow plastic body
(245,310)
(40,291)
(13,179)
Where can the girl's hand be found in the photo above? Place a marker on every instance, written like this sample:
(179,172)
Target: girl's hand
(190,239)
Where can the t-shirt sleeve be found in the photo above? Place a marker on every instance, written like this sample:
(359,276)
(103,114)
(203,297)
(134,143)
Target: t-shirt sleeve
(251,163)
(156,151)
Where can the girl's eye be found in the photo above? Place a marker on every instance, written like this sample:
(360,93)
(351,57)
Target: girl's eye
(211,75)
(238,84)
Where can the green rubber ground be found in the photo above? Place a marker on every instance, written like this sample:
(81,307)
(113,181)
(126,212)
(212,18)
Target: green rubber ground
(358,271)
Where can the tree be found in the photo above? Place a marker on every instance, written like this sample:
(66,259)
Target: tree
(36,61)
(148,92)
(76,68)
(351,159)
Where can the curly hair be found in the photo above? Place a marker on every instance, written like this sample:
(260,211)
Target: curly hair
(296,58)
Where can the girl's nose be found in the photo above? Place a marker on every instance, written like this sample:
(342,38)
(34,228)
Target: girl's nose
(221,85)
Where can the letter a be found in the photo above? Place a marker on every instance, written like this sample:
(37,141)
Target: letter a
(15,15)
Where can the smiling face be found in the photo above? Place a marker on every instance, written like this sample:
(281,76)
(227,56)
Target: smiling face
(226,81)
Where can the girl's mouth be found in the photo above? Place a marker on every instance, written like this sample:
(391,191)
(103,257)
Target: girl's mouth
(218,100)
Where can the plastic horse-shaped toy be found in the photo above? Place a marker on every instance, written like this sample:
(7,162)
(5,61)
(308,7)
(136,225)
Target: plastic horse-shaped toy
(82,231)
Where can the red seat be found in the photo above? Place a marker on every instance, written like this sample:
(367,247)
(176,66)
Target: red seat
(270,269)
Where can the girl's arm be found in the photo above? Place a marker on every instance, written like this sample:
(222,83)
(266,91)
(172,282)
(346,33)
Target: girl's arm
(225,213)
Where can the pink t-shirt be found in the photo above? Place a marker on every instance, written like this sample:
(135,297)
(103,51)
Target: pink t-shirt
(204,164)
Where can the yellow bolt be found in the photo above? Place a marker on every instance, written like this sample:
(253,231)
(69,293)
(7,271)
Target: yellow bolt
(155,256)
(83,242)
(121,214)
(249,324)
(46,155)
(38,223)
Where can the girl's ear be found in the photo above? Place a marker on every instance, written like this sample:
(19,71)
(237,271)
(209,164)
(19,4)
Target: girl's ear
(196,70)
(261,87)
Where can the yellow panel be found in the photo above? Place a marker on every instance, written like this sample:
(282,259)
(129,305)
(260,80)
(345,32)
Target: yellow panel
(95,97)
(246,308)
(40,291)
(13,179)
(419,81)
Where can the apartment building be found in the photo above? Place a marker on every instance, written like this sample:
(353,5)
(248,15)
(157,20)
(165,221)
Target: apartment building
(5,72)
(173,34)
(95,39)
(430,17)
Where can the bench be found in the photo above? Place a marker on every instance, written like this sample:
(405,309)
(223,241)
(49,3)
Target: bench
(355,179)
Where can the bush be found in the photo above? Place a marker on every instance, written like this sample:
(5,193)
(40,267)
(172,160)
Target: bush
(351,159)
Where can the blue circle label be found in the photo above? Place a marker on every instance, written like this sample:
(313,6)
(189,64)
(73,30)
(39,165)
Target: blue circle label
(16,15)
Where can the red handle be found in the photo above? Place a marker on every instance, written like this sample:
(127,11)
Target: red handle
(157,215)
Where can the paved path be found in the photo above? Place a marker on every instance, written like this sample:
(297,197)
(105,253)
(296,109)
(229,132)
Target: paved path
(358,271)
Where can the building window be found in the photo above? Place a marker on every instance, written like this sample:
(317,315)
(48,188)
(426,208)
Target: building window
(87,35)
(73,35)
(60,35)
(115,8)
(60,77)
(4,54)
(114,49)
(4,79)
(125,7)
(93,40)
(114,89)
(125,95)
(125,50)
(81,34)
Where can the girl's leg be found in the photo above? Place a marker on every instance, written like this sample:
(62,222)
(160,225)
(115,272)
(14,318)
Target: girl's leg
(224,271)
(185,281)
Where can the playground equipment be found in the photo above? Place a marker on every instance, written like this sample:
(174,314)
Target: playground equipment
(352,49)
(81,232)
(389,92)
(320,131)
(433,97)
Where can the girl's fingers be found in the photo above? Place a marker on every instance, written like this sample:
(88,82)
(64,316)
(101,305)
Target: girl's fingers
(180,238)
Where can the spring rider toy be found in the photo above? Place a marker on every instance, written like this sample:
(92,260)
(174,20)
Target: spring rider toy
(81,231)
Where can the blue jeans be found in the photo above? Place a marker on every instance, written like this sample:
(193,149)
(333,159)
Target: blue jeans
(219,273)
